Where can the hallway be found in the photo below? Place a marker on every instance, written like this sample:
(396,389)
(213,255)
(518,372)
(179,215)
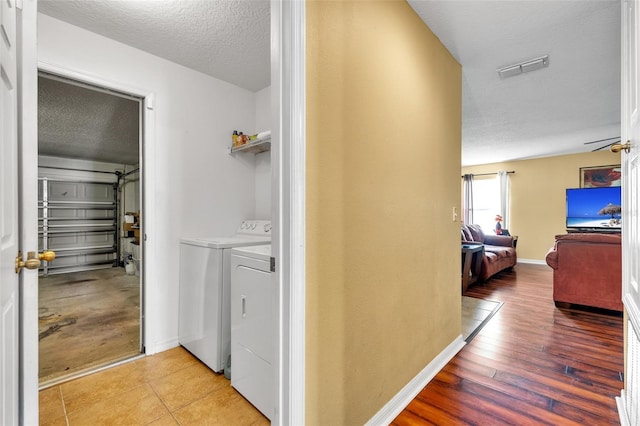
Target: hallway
(531,364)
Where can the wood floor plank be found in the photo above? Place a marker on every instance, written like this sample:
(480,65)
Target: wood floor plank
(525,394)
(533,363)
(544,363)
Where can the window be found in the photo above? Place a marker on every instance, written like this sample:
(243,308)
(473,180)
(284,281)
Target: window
(486,202)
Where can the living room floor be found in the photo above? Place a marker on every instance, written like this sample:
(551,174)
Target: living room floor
(531,364)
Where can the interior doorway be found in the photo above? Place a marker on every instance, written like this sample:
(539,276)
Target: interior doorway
(89,213)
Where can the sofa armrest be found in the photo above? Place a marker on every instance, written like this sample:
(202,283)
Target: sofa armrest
(498,240)
(552,258)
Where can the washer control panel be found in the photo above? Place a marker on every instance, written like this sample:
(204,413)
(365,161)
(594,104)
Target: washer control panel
(255,227)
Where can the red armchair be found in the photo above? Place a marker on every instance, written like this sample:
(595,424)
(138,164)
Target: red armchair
(587,270)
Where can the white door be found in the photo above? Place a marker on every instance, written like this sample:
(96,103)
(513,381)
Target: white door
(628,403)
(18,153)
(9,237)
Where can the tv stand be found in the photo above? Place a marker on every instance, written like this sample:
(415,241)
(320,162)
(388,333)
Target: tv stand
(594,230)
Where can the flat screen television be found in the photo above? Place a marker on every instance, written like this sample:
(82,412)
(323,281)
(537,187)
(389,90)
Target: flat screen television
(594,209)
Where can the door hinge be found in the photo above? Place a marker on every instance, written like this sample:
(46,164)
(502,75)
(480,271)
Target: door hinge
(19,4)
(273,264)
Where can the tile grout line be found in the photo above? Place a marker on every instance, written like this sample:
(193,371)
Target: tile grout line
(162,401)
(64,406)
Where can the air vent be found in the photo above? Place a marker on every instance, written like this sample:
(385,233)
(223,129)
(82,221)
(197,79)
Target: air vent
(525,66)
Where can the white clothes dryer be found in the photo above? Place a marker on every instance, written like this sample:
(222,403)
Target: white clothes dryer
(204,326)
(253,327)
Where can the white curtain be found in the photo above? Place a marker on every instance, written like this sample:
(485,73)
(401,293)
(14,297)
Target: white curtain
(503,177)
(467,199)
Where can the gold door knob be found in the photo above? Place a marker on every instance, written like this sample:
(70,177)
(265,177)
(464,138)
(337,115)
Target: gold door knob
(621,147)
(47,255)
(33,260)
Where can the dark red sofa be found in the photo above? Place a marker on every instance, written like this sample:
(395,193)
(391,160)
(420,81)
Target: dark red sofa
(499,253)
(587,270)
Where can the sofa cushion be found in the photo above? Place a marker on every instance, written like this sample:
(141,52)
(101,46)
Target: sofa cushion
(500,251)
(491,257)
(466,234)
(476,233)
(498,240)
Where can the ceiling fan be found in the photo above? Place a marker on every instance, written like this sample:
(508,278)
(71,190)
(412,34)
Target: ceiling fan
(608,144)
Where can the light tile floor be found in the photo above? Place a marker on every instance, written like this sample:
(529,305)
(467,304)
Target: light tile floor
(169,388)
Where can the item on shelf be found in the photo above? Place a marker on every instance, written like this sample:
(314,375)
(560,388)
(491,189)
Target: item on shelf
(259,142)
(234,138)
(264,135)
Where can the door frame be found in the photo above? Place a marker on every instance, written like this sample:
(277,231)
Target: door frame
(630,126)
(28,178)
(288,159)
(147,136)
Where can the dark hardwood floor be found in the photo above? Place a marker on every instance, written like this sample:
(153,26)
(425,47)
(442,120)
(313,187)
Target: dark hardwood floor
(532,364)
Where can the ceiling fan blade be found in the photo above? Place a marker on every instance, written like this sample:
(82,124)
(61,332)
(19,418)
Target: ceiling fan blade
(601,140)
(604,146)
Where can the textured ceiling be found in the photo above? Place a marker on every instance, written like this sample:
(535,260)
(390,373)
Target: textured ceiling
(547,112)
(227,39)
(77,122)
(551,111)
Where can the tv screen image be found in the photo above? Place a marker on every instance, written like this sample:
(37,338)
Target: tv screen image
(594,208)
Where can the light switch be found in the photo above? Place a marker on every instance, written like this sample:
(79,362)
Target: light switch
(455,214)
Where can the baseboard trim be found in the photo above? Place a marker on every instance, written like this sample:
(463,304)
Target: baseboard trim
(161,347)
(398,403)
(532,261)
(622,409)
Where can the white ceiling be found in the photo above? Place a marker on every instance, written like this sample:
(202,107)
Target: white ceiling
(551,111)
(228,39)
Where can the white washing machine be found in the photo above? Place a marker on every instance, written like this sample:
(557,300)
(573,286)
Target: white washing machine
(204,305)
(253,327)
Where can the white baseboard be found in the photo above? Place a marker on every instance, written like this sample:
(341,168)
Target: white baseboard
(398,403)
(161,347)
(622,409)
(532,261)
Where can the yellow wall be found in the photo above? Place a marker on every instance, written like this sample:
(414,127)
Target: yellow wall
(383,172)
(538,196)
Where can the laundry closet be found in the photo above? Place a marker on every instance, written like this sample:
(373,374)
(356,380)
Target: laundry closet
(189,185)
(90,213)
(223,315)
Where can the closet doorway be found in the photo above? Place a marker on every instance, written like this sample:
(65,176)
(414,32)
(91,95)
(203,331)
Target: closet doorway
(89,214)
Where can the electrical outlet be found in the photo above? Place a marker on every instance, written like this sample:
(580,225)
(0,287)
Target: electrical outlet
(455,214)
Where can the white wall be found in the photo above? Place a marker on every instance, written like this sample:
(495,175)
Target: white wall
(263,160)
(192,186)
